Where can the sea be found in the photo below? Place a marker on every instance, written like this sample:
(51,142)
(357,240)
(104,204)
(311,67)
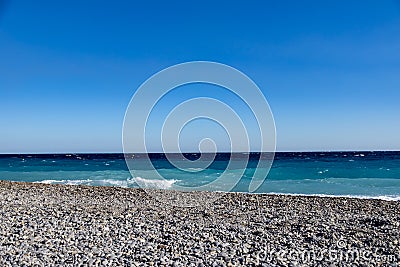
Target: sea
(365,174)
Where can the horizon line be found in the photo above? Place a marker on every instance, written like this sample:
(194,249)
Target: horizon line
(196,152)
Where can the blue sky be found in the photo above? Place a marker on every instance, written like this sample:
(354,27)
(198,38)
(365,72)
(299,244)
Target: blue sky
(329,69)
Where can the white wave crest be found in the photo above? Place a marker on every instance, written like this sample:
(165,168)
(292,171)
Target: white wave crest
(66,182)
(102,182)
(154,183)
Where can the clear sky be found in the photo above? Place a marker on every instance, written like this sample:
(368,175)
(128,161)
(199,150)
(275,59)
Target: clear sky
(329,69)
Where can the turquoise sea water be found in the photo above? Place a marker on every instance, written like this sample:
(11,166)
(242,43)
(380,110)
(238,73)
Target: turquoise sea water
(361,174)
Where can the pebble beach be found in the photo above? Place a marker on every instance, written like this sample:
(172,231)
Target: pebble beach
(65,225)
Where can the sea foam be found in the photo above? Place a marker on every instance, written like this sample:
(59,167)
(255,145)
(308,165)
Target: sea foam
(154,183)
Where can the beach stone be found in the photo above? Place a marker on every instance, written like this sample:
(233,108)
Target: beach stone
(61,225)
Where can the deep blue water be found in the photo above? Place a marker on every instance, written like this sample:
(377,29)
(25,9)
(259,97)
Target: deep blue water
(367,174)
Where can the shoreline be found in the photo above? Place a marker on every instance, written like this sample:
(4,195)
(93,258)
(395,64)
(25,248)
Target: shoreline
(112,226)
(384,198)
(380,197)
